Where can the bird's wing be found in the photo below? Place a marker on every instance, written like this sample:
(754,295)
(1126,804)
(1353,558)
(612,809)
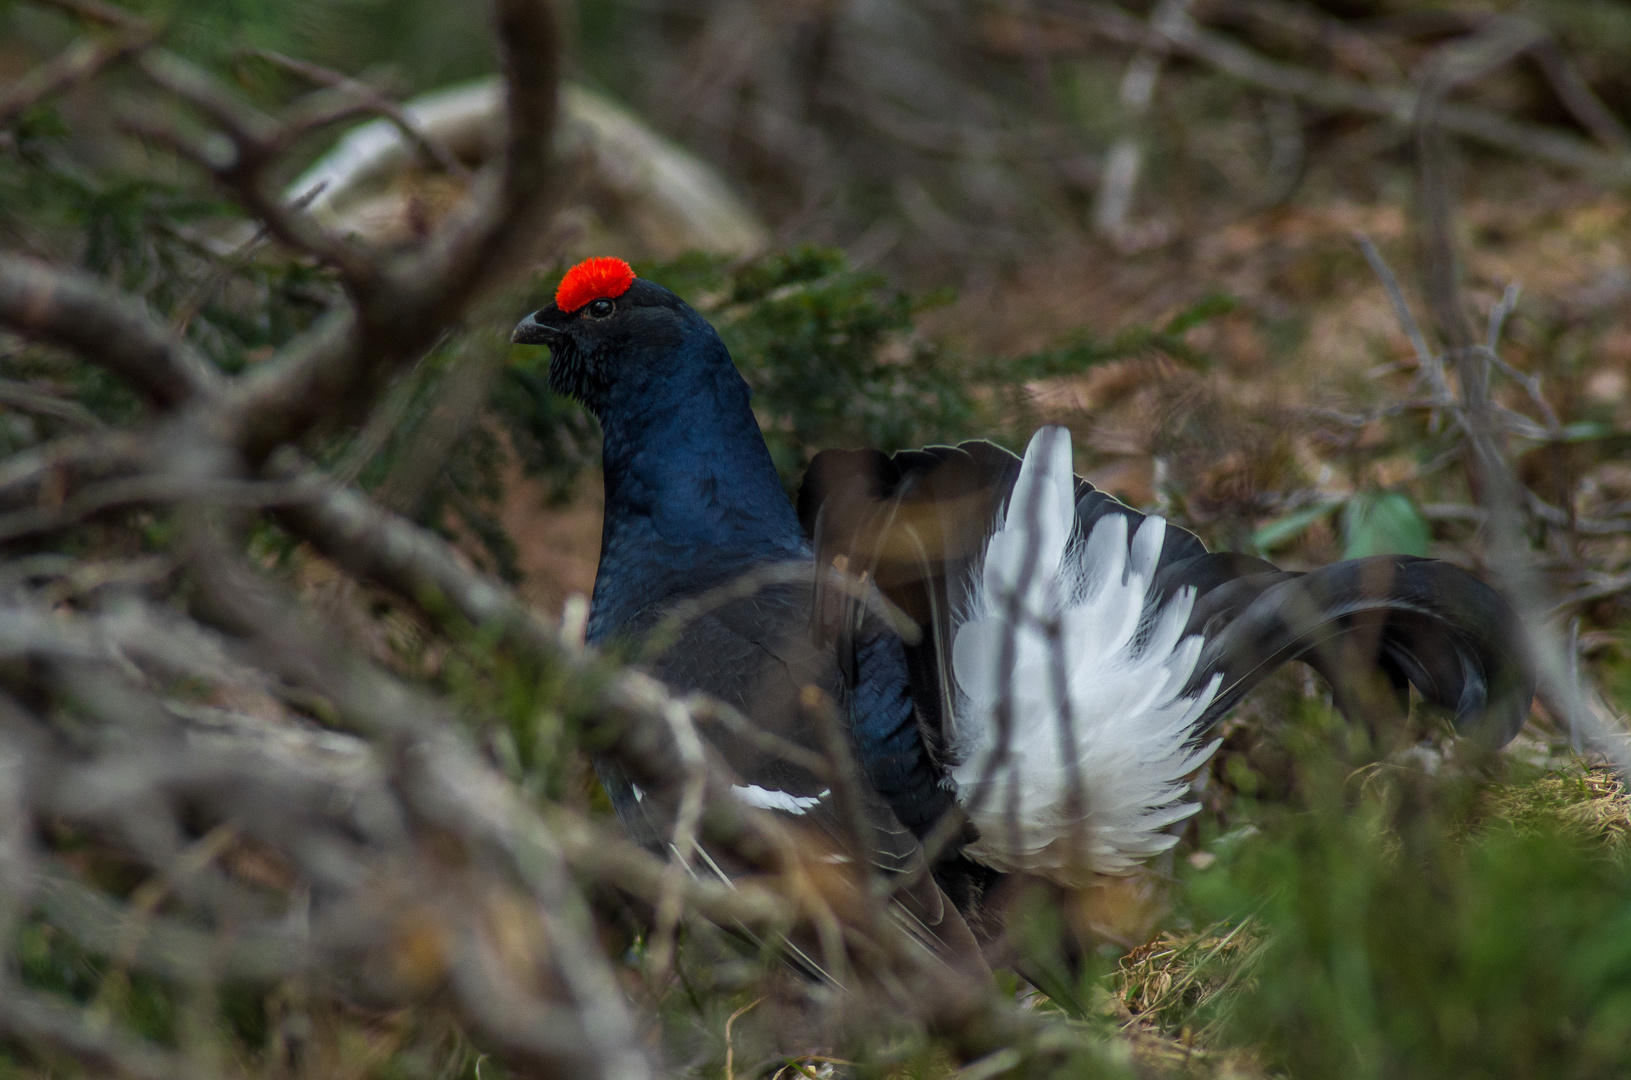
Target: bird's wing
(755,653)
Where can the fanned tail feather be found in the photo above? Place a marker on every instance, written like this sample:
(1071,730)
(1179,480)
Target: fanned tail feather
(1074,724)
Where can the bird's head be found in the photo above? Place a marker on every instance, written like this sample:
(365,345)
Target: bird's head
(612,335)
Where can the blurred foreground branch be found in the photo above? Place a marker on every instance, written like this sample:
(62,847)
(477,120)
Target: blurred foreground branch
(283,806)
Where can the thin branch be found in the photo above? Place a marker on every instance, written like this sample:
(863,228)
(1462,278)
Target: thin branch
(252,141)
(1544,511)
(461,393)
(470,248)
(402,313)
(43,475)
(1498,315)
(79,313)
(82,60)
(1461,61)
(146,490)
(246,125)
(433,149)
(1113,201)
(1425,357)
(25,398)
(318,110)
(1347,45)
(847,784)
(297,386)
(32,1019)
(1500,493)
(191,304)
(97,11)
(707,710)
(1396,104)
(169,947)
(682,844)
(600,853)
(382,423)
(1579,98)
(439,777)
(681,615)
(629,712)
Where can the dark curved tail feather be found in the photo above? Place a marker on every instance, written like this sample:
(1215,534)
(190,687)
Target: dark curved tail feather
(1416,622)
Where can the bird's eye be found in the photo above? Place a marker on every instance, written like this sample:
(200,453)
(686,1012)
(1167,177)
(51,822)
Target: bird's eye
(600,309)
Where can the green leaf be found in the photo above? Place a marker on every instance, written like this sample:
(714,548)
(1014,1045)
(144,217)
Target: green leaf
(1282,531)
(1587,431)
(1383,523)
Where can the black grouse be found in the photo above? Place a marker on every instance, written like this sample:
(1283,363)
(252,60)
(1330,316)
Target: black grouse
(1027,669)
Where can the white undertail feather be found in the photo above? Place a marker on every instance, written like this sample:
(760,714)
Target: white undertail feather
(1131,739)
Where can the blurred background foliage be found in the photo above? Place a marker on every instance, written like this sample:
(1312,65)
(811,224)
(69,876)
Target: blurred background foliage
(928,170)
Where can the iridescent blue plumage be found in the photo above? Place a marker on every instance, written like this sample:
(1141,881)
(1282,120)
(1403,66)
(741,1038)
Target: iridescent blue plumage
(693,503)
(692,497)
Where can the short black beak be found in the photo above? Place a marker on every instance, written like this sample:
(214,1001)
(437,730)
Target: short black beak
(530,331)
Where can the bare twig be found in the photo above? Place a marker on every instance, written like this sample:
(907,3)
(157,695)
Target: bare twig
(1502,496)
(844,776)
(1396,104)
(1540,509)
(461,393)
(98,11)
(78,62)
(44,475)
(1579,98)
(32,1019)
(25,398)
(167,947)
(689,610)
(145,490)
(375,102)
(597,852)
(440,780)
(682,844)
(190,305)
(76,312)
(1401,307)
(1350,46)
(336,372)
(709,711)
(1451,65)
(630,710)
(1120,179)
(1604,587)
(251,142)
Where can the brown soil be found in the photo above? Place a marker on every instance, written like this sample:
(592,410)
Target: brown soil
(557,546)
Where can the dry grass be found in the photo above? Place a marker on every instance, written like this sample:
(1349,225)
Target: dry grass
(1171,982)
(1585,800)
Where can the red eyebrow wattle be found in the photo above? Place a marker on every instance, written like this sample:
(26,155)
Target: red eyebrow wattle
(592,279)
